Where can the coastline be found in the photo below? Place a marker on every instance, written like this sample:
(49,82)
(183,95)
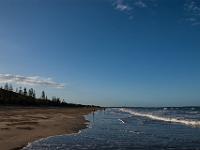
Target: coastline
(22,125)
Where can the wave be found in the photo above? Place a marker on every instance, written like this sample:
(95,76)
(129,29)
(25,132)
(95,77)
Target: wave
(121,121)
(166,119)
(29,145)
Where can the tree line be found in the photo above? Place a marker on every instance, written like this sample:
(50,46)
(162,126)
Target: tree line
(20,90)
(27,97)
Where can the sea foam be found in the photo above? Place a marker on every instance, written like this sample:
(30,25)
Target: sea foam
(121,121)
(194,123)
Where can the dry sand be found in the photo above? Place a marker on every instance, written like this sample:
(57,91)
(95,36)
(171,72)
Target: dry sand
(19,126)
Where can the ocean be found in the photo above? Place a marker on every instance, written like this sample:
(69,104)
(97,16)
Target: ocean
(171,128)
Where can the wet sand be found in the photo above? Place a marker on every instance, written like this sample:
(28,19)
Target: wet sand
(19,126)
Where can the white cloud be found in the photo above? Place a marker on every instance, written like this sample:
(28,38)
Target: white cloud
(140,4)
(33,80)
(129,6)
(122,6)
(192,9)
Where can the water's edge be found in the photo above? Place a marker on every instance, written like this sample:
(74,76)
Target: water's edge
(87,123)
(116,129)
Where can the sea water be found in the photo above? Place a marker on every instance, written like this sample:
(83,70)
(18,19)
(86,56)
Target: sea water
(132,129)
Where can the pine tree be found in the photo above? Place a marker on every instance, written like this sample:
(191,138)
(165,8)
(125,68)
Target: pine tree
(34,95)
(6,87)
(30,92)
(10,88)
(16,90)
(25,92)
(43,95)
(20,90)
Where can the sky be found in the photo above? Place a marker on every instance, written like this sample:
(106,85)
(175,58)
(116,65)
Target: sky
(103,52)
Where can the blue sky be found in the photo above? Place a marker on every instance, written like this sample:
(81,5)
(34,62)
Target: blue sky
(104,52)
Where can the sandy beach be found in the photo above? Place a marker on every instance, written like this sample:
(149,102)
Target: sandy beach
(19,126)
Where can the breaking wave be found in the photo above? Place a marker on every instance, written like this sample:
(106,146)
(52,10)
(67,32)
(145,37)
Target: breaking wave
(162,118)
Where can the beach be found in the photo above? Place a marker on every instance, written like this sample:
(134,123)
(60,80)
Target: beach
(22,125)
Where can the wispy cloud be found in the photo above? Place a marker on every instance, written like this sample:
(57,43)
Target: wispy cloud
(192,9)
(32,80)
(140,4)
(121,5)
(129,6)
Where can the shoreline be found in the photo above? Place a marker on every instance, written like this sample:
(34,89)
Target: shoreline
(22,126)
(46,138)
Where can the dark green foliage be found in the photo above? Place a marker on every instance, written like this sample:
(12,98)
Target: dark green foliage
(24,98)
(6,87)
(10,88)
(20,90)
(25,92)
(43,95)
(31,92)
